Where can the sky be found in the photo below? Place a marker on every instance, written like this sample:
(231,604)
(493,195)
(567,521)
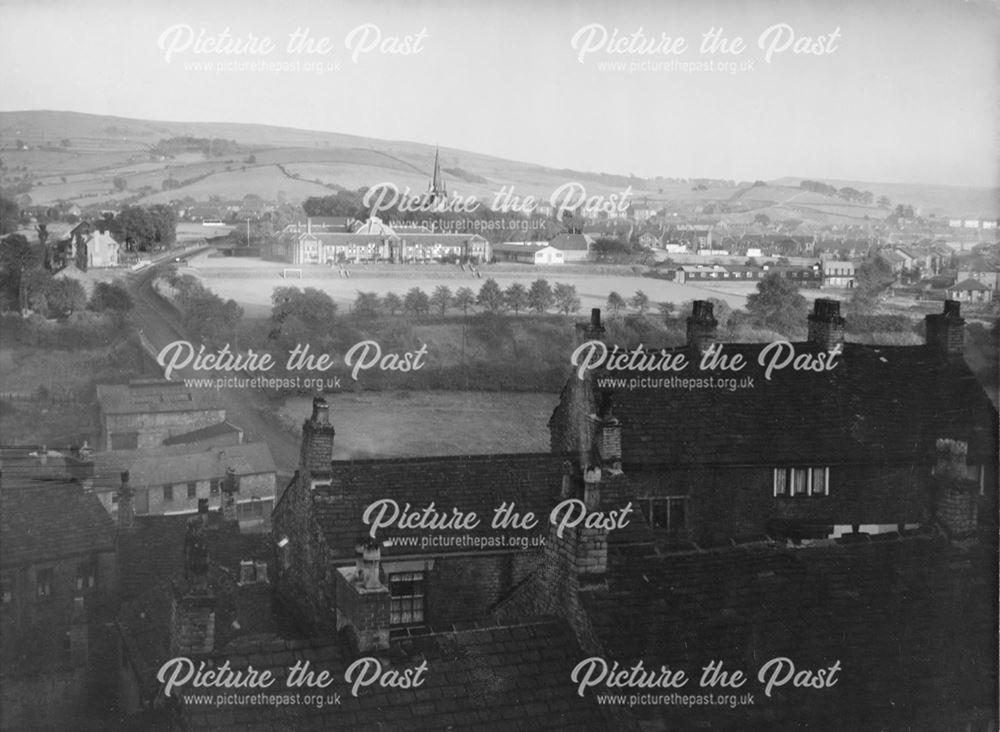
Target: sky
(888,91)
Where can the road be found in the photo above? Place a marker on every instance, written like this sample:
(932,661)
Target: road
(246,408)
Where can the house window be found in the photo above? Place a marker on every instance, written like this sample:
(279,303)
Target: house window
(213,488)
(43,582)
(798,482)
(86,575)
(285,552)
(168,493)
(666,514)
(406,590)
(192,490)
(6,589)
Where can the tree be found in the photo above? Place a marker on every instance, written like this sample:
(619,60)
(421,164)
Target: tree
(164,225)
(313,308)
(516,297)
(392,303)
(119,183)
(366,304)
(566,299)
(540,296)
(872,278)
(883,202)
(616,303)
(416,301)
(777,304)
(10,212)
(666,309)
(17,259)
(640,301)
(110,297)
(135,227)
(64,296)
(762,219)
(441,299)
(465,298)
(490,296)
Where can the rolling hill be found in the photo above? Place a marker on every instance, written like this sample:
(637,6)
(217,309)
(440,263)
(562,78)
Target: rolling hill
(74,157)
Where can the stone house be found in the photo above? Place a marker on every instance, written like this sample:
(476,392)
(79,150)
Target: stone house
(58,589)
(146,412)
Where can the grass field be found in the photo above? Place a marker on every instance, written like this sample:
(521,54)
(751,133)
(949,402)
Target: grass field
(251,281)
(419,424)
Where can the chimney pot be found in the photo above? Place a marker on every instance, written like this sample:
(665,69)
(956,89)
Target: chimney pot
(701,325)
(321,411)
(371,558)
(592,330)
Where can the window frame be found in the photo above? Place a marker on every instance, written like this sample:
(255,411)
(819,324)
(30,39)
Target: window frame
(669,501)
(786,480)
(415,602)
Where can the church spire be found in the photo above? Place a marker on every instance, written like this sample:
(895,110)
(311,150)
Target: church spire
(437,187)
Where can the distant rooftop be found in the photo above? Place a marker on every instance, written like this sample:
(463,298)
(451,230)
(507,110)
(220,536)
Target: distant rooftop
(154,395)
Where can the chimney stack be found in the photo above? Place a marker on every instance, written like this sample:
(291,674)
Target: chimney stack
(826,326)
(230,487)
(701,326)
(592,331)
(946,331)
(363,602)
(126,508)
(955,509)
(192,611)
(317,442)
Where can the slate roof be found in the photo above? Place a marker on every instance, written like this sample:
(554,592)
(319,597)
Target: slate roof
(153,550)
(498,678)
(478,483)
(879,404)
(969,284)
(912,622)
(571,242)
(153,395)
(44,520)
(181,463)
(223,430)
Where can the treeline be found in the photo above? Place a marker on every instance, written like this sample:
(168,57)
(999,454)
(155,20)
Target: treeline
(205,315)
(210,147)
(847,193)
(539,298)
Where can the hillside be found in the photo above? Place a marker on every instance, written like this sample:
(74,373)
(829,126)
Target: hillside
(74,157)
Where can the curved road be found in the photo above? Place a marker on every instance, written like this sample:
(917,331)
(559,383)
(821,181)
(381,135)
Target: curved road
(246,408)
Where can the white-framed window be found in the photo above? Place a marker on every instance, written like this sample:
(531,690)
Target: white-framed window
(407,591)
(799,482)
(666,513)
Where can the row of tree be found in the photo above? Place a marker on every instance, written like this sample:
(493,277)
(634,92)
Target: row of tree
(539,298)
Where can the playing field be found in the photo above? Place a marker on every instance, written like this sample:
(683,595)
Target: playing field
(251,281)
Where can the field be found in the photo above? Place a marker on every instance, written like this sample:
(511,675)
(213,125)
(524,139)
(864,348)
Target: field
(251,281)
(98,148)
(419,424)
